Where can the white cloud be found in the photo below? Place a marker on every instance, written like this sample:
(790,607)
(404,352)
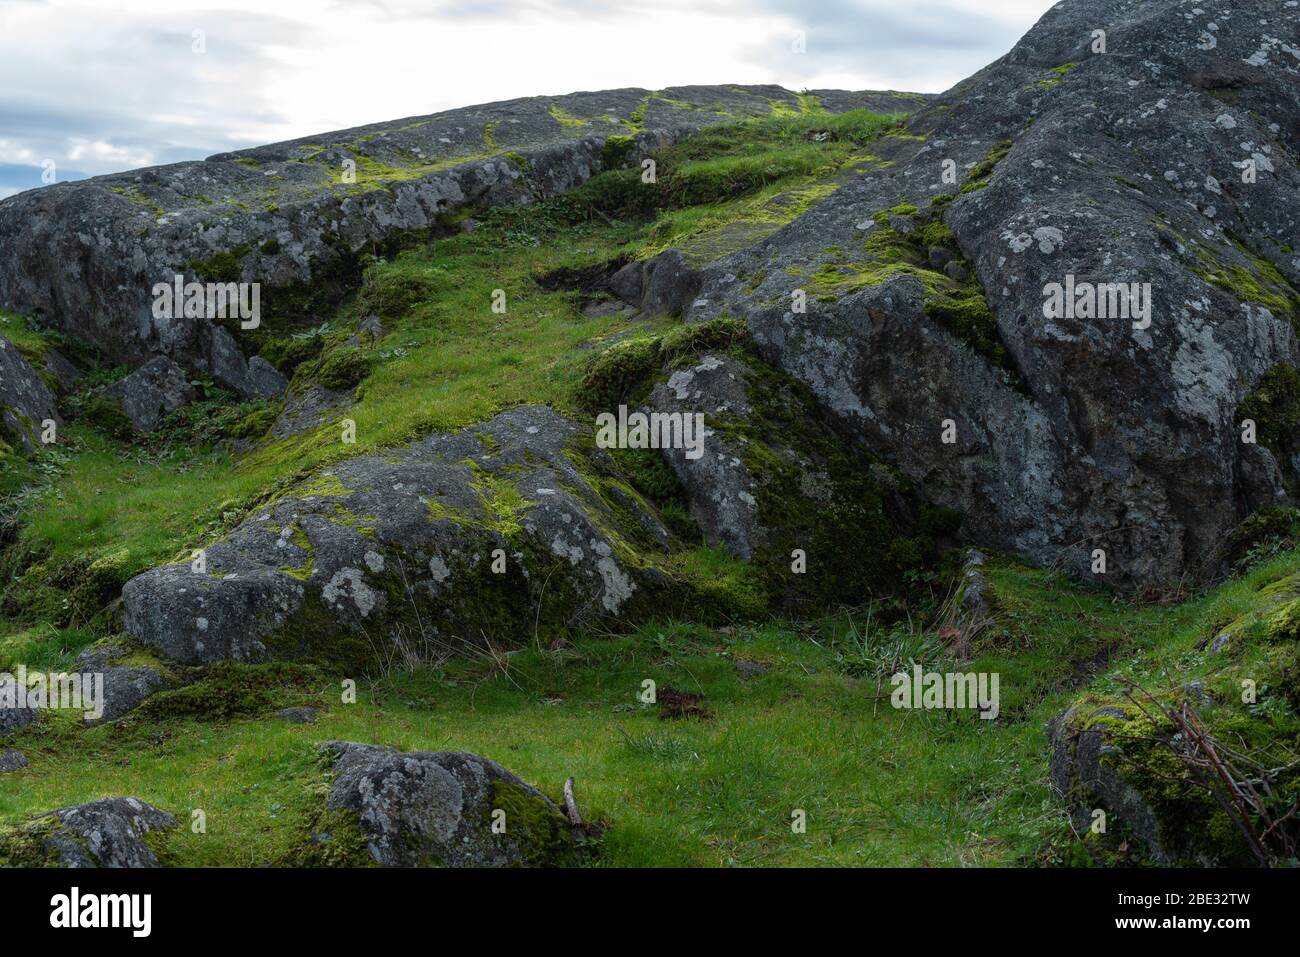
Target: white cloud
(102,88)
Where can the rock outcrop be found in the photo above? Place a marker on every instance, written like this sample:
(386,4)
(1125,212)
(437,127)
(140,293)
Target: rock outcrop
(427,809)
(459,532)
(25,400)
(294,216)
(112,832)
(1165,161)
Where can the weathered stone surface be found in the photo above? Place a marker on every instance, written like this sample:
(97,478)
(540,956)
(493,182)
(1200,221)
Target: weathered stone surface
(1119,167)
(25,399)
(718,484)
(11,719)
(1089,770)
(147,394)
(380,541)
(86,255)
(61,368)
(106,833)
(125,687)
(11,761)
(308,409)
(265,379)
(776,487)
(421,808)
(298,715)
(669,284)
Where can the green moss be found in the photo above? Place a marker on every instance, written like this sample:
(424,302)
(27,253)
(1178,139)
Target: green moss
(254,425)
(519,161)
(979,175)
(231,689)
(565,118)
(26,845)
(937,233)
(618,372)
(1274,407)
(1261,283)
(615,152)
(107,416)
(1058,74)
(541,833)
(502,502)
(289,352)
(332,838)
(339,368)
(960,306)
(391,294)
(220,267)
(623,370)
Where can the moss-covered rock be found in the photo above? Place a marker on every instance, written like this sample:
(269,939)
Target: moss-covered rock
(112,832)
(423,809)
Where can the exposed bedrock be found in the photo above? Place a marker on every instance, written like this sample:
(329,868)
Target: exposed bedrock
(294,216)
(1167,160)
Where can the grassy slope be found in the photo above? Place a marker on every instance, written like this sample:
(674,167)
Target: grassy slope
(879,786)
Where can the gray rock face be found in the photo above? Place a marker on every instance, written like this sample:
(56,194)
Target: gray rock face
(156,388)
(298,715)
(308,409)
(125,689)
(1142,165)
(25,400)
(106,833)
(459,532)
(61,368)
(718,484)
(87,255)
(422,808)
(663,285)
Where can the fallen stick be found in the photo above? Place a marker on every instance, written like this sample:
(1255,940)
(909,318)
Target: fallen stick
(574,817)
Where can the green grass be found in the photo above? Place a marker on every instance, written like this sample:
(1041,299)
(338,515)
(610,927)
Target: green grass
(879,786)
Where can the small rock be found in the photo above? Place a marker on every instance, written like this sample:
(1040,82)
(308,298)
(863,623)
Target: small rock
(370,327)
(955,271)
(11,719)
(265,379)
(670,284)
(157,387)
(422,808)
(628,283)
(12,761)
(298,715)
(105,833)
(125,689)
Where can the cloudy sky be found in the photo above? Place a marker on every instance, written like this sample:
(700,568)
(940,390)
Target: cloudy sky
(96,86)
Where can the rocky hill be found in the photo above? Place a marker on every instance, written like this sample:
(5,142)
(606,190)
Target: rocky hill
(1050,313)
